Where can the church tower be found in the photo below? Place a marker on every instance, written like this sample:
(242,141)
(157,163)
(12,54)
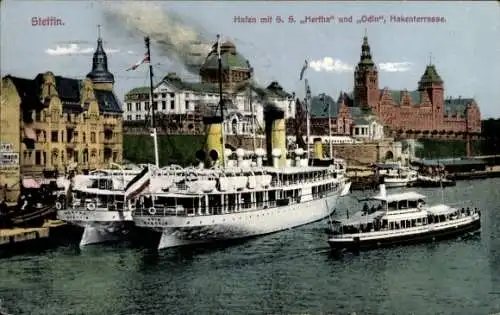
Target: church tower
(431,84)
(366,91)
(101,78)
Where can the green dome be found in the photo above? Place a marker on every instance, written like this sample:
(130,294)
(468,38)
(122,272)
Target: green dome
(430,76)
(230,58)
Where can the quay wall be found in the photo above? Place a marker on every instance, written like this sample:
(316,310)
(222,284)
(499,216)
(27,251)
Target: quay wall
(181,149)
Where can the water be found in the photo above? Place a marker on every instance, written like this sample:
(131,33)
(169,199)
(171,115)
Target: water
(287,272)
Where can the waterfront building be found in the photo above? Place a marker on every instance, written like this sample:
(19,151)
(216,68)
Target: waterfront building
(424,111)
(64,123)
(180,104)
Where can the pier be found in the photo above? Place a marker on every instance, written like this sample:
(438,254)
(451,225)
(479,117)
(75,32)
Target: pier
(18,240)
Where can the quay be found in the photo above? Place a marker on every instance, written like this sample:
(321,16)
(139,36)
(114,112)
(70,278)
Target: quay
(490,172)
(19,240)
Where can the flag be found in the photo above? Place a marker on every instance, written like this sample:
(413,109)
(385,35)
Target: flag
(218,46)
(140,62)
(138,184)
(306,65)
(29,136)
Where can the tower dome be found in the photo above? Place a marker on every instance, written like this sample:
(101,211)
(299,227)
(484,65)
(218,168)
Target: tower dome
(100,73)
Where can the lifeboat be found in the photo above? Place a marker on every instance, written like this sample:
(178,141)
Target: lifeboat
(263,181)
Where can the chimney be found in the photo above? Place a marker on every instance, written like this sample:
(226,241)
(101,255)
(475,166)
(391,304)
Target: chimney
(318,148)
(213,143)
(275,134)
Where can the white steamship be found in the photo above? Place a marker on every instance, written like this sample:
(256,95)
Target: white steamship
(244,198)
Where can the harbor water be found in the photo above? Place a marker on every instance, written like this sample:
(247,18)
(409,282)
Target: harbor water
(292,272)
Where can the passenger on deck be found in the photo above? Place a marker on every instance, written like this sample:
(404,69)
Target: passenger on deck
(365,208)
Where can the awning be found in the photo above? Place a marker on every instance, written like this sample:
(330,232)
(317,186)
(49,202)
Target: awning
(30,183)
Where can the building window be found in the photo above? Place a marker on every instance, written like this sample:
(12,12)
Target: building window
(147,105)
(38,158)
(84,138)
(163,95)
(163,105)
(137,106)
(108,134)
(172,95)
(53,136)
(155,105)
(137,117)
(129,117)
(129,107)
(92,137)
(172,105)
(187,105)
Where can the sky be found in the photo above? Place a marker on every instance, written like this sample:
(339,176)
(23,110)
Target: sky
(464,46)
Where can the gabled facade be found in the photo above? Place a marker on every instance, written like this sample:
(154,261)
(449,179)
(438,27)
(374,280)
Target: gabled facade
(67,123)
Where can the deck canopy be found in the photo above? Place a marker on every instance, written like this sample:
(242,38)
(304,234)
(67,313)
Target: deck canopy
(441,209)
(410,195)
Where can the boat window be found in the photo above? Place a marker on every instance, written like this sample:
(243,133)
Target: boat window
(246,201)
(231,202)
(214,203)
(403,224)
(272,195)
(408,223)
(413,223)
(403,204)
(412,203)
(391,226)
(384,224)
(393,205)
(259,199)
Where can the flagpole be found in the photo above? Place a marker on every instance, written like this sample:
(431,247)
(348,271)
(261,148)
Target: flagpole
(308,124)
(308,96)
(221,101)
(153,129)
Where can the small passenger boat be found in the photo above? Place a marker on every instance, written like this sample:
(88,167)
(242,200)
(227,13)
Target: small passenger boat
(398,219)
(434,181)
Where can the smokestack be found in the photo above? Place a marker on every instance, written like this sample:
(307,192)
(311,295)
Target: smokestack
(318,149)
(213,143)
(274,118)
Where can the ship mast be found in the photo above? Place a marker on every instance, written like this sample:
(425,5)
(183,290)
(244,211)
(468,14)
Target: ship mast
(308,124)
(153,129)
(221,101)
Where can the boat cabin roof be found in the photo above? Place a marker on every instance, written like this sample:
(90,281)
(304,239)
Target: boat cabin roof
(358,219)
(440,209)
(409,195)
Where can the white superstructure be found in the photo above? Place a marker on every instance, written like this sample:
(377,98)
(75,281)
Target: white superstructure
(97,202)
(401,218)
(238,201)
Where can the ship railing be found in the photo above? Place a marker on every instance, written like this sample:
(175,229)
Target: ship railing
(93,205)
(159,211)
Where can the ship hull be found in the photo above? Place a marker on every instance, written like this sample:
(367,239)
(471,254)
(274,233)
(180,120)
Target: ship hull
(184,230)
(397,183)
(471,224)
(99,226)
